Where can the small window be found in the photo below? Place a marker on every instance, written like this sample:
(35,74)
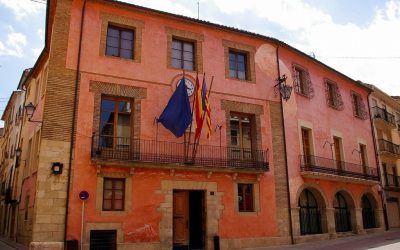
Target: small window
(237,65)
(302,82)
(113,194)
(359,110)
(333,97)
(120,42)
(246,197)
(103,239)
(182,54)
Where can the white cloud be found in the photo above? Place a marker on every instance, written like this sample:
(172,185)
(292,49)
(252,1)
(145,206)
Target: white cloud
(23,8)
(36,52)
(14,44)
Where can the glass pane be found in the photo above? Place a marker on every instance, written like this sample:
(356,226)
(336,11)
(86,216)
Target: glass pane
(188,65)
(112,32)
(106,204)
(111,51)
(123,131)
(241,58)
(106,129)
(119,195)
(232,64)
(188,47)
(107,117)
(124,120)
(232,73)
(112,42)
(242,75)
(118,184)
(107,194)
(188,56)
(126,44)
(232,57)
(107,184)
(126,53)
(128,35)
(241,67)
(303,199)
(177,54)
(107,105)
(124,106)
(176,45)
(118,205)
(176,63)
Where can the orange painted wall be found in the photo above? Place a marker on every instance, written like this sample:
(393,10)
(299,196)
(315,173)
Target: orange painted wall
(152,73)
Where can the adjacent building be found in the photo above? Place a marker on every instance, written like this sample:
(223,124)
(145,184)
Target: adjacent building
(97,169)
(386,119)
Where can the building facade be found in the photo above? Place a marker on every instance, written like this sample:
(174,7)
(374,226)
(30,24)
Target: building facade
(386,117)
(98,169)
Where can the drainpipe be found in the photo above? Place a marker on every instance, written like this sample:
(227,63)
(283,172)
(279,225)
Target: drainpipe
(285,151)
(72,139)
(378,165)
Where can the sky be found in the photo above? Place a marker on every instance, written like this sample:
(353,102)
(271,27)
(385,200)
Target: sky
(360,38)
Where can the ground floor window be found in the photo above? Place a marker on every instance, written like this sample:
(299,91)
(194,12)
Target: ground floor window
(368,213)
(246,197)
(310,217)
(103,239)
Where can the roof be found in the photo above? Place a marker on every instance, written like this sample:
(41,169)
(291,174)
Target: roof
(236,30)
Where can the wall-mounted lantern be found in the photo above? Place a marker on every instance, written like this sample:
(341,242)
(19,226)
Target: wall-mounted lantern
(30,109)
(281,87)
(57,168)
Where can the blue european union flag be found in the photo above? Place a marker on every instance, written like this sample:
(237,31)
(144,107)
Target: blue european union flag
(176,116)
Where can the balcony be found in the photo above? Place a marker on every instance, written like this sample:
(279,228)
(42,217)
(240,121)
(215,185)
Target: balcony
(382,115)
(134,152)
(325,168)
(388,147)
(392,181)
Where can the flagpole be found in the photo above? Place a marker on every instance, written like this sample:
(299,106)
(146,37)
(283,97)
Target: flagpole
(190,127)
(202,121)
(195,136)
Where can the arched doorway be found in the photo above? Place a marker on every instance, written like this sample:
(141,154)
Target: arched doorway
(342,213)
(368,212)
(310,216)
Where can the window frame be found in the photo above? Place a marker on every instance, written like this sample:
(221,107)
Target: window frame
(333,96)
(113,181)
(116,112)
(119,48)
(182,59)
(245,197)
(302,85)
(236,54)
(358,105)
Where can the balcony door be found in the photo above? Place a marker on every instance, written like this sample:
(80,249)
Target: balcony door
(306,142)
(241,136)
(115,123)
(364,159)
(337,144)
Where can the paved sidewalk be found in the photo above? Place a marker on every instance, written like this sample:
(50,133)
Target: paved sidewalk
(388,240)
(6,244)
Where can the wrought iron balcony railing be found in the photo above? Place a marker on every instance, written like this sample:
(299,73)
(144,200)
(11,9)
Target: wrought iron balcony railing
(392,180)
(310,163)
(161,152)
(388,146)
(383,114)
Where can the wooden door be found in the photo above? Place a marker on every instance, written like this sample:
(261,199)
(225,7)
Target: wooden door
(393,214)
(338,153)
(181,217)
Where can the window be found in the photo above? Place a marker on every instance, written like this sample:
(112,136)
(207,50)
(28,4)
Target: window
(245,197)
(113,194)
(120,42)
(368,213)
(306,141)
(302,82)
(182,56)
(310,217)
(359,110)
(103,239)
(115,123)
(364,158)
(241,136)
(337,144)
(237,65)
(342,213)
(333,97)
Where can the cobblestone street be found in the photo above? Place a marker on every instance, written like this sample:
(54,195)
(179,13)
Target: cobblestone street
(389,240)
